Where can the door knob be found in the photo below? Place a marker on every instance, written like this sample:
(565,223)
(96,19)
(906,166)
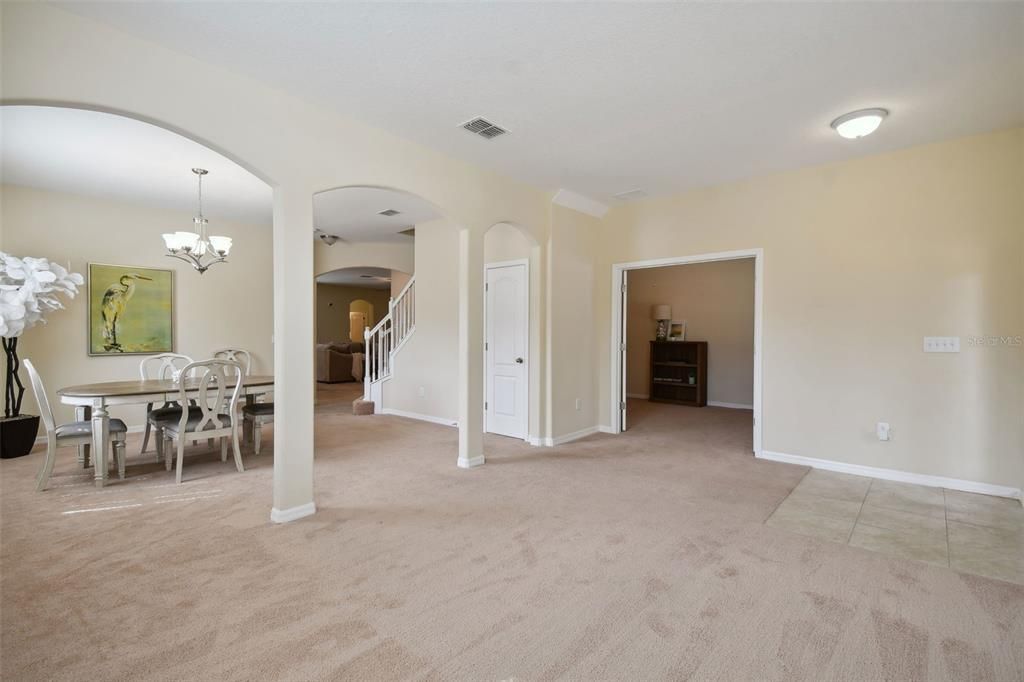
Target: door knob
(519,361)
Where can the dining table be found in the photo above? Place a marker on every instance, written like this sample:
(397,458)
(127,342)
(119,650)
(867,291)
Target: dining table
(92,402)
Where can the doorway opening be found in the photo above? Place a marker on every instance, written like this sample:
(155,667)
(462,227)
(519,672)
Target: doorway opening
(688,334)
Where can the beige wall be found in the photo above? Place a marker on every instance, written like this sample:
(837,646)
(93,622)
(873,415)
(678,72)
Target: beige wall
(428,362)
(333,302)
(573,283)
(387,255)
(861,260)
(398,281)
(505,242)
(717,301)
(231,305)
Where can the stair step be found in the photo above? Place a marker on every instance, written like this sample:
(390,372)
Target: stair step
(362,407)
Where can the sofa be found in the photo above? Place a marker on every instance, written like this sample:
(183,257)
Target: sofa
(338,361)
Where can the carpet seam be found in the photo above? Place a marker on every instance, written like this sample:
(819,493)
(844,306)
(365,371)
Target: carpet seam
(859,511)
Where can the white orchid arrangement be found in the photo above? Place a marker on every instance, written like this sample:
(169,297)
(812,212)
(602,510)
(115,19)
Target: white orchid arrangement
(30,289)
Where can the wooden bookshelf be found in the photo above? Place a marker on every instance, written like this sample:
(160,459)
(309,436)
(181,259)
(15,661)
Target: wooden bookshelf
(674,365)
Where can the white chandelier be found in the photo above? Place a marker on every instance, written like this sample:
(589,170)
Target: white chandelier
(197,248)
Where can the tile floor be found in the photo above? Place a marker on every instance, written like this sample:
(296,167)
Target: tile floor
(965,531)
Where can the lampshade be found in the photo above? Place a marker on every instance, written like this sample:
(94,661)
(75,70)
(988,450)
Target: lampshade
(221,244)
(662,311)
(187,240)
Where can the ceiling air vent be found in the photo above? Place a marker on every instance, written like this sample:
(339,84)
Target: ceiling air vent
(630,195)
(389,212)
(484,128)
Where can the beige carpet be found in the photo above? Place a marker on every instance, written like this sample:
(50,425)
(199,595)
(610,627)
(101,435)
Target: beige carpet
(637,557)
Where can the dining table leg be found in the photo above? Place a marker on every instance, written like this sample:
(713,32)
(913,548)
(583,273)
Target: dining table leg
(100,441)
(83,413)
(250,400)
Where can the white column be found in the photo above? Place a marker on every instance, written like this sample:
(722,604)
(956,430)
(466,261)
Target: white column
(471,348)
(294,384)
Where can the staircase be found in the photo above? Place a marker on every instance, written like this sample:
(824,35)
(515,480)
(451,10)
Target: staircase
(386,339)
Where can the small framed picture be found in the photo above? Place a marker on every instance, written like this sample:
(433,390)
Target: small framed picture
(677,331)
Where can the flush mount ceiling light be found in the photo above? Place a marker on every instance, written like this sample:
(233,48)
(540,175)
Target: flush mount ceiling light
(859,123)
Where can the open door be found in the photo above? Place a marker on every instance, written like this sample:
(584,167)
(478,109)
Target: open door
(622,352)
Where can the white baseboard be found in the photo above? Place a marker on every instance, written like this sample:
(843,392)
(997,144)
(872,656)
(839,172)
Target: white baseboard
(638,396)
(293,514)
(569,437)
(606,429)
(420,417)
(471,462)
(895,475)
(731,406)
(535,441)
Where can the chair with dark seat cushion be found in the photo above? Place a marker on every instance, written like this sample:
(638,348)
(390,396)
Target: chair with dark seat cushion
(219,383)
(72,433)
(162,366)
(259,414)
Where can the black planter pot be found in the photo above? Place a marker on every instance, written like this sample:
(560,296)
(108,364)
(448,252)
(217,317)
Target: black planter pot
(18,435)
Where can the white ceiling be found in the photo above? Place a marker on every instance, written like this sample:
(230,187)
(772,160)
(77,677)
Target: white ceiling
(118,158)
(352,213)
(367,278)
(606,97)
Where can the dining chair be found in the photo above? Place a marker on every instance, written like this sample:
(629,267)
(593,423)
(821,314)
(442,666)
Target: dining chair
(162,366)
(242,357)
(239,355)
(207,419)
(72,433)
(259,414)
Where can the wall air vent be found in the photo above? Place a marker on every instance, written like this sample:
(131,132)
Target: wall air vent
(389,212)
(484,128)
(630,195)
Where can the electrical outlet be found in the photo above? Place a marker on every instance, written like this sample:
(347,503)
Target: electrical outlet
(579,404)
(882,429)
(942,344)
(421,391)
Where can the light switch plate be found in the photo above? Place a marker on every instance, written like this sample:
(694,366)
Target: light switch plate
(942,344)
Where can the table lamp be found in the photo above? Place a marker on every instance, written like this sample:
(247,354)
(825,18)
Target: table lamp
(663,314)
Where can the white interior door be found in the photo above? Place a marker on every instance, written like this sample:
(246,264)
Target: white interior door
(622,351)
(507,315)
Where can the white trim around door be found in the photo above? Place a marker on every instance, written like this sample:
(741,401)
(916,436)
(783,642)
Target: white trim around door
(522,429)
(619,270)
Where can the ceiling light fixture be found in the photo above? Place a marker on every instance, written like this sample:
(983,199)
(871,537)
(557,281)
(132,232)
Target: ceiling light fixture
(859,123)
(196,248)
(325,237)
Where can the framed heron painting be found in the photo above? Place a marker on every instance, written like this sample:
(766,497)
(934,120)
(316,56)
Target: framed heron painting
(131,310)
